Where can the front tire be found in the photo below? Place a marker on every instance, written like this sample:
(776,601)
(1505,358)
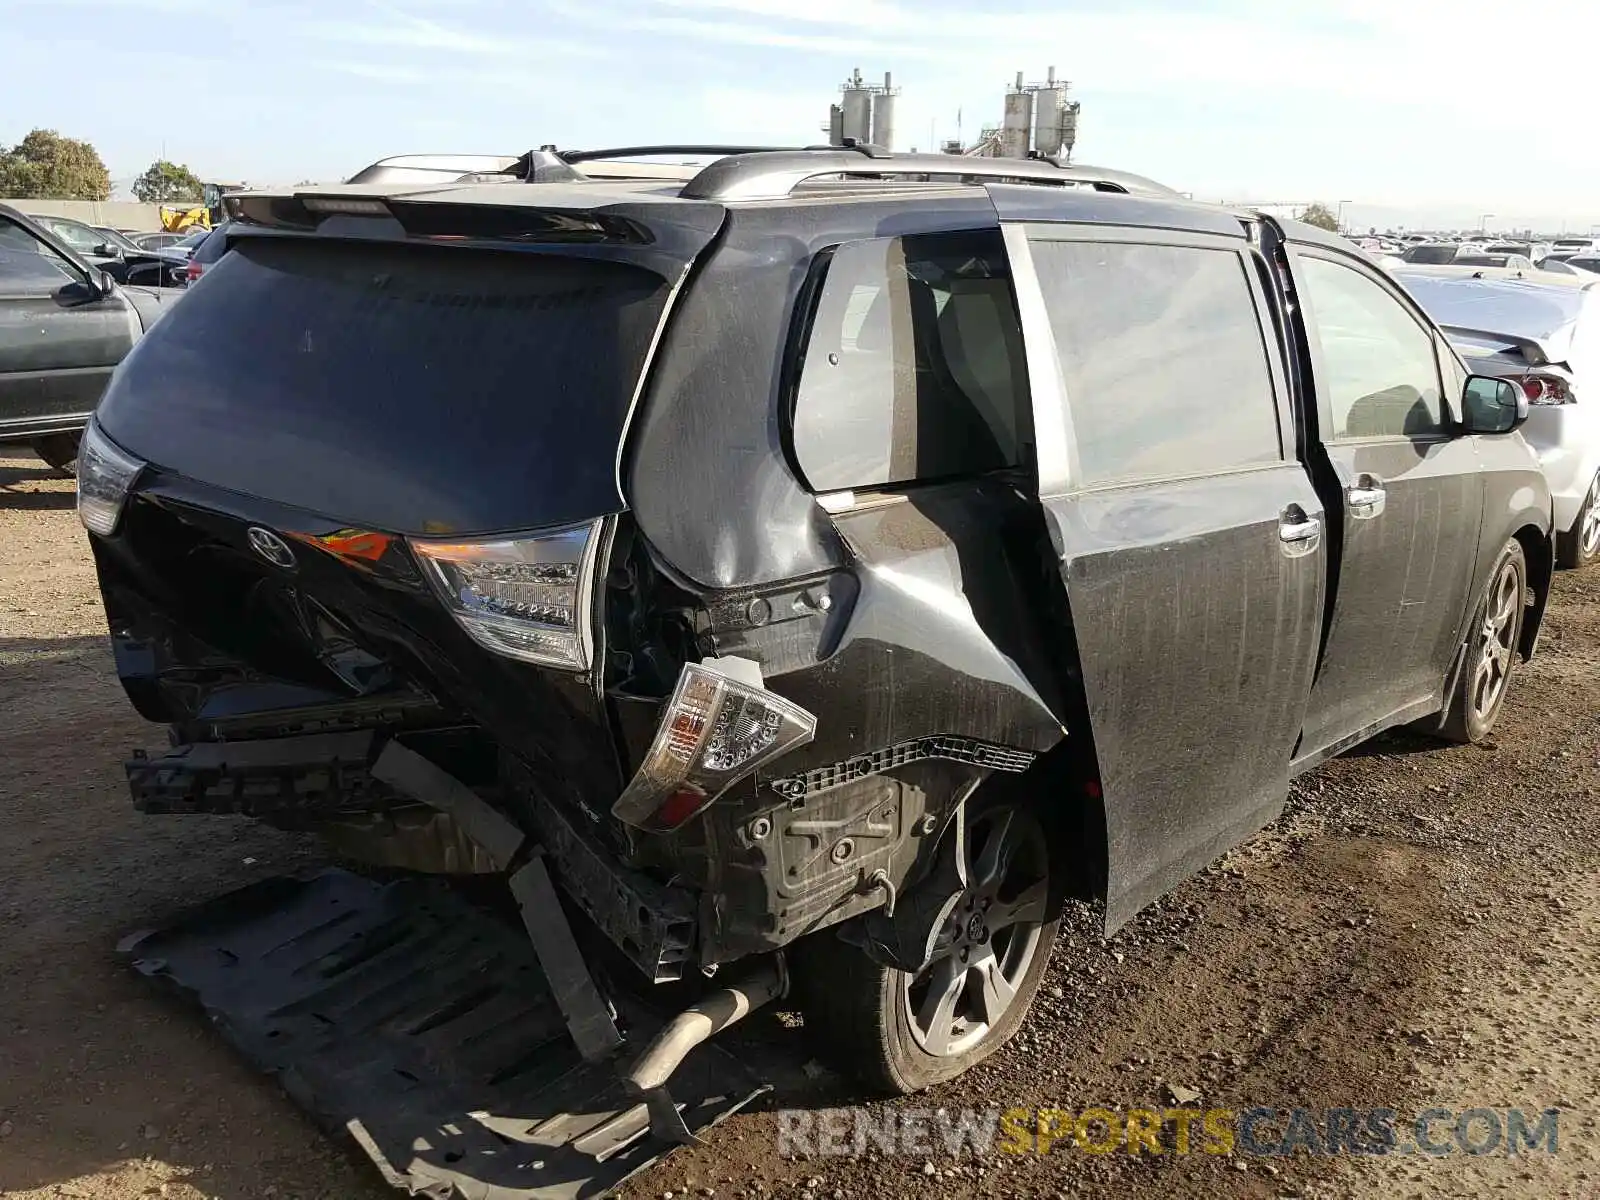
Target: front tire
(899,1032)
(1580,546)
(1491,650)
(59,450)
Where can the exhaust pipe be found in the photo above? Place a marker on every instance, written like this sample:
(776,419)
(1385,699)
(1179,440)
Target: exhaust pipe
(701,1021)
(647,1077)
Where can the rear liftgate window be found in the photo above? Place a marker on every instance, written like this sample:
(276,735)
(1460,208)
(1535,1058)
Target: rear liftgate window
(1165,365)
(418,389)
(914,367)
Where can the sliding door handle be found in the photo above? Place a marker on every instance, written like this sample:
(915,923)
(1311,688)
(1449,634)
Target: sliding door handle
(1299,533)
(1365,498)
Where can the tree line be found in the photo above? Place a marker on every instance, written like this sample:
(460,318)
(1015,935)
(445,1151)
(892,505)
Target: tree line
(47,166)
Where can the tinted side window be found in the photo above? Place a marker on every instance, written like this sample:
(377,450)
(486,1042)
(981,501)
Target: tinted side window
(1163,358)
(1431,254)
(79,237)
(1379,371)
(914,366)
(27,264)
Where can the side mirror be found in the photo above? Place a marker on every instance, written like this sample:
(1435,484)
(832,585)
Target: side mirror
(107,250)
(1490,405)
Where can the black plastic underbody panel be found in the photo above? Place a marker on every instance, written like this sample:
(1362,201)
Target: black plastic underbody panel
(421,1025)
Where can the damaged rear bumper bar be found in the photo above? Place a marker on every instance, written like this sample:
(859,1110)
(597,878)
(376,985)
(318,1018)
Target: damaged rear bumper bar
(322,773)
(627,1054)
(298,780)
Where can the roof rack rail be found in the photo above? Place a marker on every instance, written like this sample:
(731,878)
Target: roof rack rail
(772,175)
(580,156)
(432,168)
(536,166)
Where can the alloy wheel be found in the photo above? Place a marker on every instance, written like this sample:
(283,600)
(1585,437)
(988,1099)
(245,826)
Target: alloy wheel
(1492,664)
(1589,528)
(989,940)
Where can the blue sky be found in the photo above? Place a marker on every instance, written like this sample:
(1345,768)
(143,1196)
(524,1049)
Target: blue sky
(1413,110)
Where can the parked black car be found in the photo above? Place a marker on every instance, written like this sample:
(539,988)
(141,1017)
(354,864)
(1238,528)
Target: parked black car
(117,255)
(829,561)
(64,326)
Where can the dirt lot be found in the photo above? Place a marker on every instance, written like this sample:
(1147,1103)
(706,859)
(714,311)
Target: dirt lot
(1422,928)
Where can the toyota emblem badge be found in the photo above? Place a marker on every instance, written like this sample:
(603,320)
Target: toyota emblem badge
(271,547)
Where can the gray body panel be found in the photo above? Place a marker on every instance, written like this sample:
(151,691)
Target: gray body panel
(59,343)
(1197,635)
(1195,624)
(1404,577)
(1407,577)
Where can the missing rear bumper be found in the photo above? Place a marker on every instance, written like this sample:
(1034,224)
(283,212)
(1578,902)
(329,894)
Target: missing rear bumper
(424,1028)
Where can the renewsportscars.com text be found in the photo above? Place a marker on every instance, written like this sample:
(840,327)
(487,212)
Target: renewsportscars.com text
(1266,1132)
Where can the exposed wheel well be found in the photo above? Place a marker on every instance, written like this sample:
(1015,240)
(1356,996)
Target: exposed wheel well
(1541,567)
(1063,787)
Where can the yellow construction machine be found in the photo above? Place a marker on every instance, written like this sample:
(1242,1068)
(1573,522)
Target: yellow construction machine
(180,218)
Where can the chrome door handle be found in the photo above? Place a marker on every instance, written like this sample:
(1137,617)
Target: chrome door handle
(1299,534)
(1300,531)
(1365,498)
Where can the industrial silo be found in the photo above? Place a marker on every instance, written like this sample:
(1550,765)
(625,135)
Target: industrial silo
(857,105)
(1069,128)
(1049,111)
(835,125)
(1016,127)
(883,114)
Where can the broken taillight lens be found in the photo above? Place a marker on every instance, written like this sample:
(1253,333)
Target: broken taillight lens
(719,725)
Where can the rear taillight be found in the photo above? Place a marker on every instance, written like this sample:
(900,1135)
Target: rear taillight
(720,725)
(529,597)
(1546,389)
(105,473)
(193,271)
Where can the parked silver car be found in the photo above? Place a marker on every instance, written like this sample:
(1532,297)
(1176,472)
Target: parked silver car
(1545,336)
(1565,248)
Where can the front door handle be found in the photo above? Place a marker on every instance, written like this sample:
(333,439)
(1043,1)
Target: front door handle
(1299,533)
(1365,498)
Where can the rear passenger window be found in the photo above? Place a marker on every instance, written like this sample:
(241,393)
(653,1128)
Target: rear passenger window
(913,369)
(1163,358)
(1379,372)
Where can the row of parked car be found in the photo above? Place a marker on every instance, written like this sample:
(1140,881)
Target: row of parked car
(1572,258)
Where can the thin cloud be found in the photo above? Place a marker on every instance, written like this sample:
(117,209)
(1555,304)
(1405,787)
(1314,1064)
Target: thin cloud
(394,29)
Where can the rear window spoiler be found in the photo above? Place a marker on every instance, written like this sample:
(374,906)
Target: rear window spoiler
(1536,352)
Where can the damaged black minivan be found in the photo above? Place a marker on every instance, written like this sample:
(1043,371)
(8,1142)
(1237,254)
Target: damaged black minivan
(824,568)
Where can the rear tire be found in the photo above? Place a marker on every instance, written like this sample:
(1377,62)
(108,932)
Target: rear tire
(1490,652)
(900,1032)
(1580,545)
(59,450)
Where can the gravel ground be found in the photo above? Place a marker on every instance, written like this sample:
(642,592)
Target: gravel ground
(1419,930)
